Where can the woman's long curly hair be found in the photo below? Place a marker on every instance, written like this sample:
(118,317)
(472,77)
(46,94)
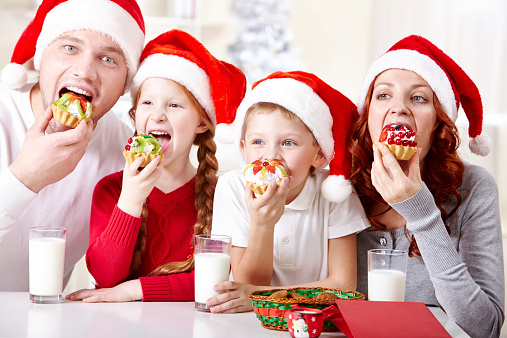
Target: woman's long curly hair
(443,172)
(204,192)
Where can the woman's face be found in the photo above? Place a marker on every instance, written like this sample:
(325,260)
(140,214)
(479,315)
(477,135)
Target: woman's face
(403,97)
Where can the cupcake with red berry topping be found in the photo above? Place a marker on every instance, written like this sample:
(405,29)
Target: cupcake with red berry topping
(261,173)
(141,145)
(71,108)
(400,139)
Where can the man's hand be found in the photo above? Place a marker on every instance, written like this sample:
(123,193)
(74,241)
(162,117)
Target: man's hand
(47,158)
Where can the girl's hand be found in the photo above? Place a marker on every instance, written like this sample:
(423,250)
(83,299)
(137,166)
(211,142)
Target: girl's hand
(233,299)
(137,185)
(389,179)
(267,209)
(125,292)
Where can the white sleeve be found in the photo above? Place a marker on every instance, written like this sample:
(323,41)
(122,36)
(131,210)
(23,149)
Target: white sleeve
(14,198)
(230,214)
(347,217)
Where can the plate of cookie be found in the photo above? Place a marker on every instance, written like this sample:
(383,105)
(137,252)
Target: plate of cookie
(270,305)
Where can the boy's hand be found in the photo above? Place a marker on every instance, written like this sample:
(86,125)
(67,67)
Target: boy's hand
(267,209)
(137,185)
(233,297)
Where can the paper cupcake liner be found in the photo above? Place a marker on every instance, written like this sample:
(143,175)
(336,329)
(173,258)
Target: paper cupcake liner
(131,157)
(65,118)
(402,152)
(260,188)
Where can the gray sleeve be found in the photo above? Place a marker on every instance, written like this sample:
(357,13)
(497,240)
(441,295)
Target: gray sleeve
(468,277)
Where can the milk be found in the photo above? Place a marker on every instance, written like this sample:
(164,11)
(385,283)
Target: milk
(210,269)
(387,285)
(46,259)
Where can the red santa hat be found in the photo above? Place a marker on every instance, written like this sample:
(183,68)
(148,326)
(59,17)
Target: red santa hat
(448,81)
(121,20)
(217,85)
(326,112)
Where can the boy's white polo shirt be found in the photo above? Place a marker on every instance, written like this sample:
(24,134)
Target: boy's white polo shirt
(300,248)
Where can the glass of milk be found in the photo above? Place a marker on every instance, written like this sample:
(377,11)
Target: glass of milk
(46,255)
(212,266)
(387,273)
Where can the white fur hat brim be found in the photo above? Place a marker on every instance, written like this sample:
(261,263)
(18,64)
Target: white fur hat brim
(420,64)
(296,97)
(101,16)
(180,70)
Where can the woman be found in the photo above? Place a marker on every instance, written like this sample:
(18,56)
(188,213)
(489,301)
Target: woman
(441,210)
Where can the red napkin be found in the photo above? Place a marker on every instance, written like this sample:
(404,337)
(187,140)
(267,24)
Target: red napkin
(387,319)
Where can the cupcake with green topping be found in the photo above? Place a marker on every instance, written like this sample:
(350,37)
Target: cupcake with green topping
(70,109)
(141,145)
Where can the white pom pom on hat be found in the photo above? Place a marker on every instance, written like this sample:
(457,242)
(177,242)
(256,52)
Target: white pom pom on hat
(224,133)
(448,80)
(336,188)
(14,75)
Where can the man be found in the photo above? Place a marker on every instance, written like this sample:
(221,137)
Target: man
(47,170)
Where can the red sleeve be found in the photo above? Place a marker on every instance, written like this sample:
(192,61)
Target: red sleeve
(113,234)
(178,287)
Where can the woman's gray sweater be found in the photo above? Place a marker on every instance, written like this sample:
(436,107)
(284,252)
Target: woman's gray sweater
(461,272)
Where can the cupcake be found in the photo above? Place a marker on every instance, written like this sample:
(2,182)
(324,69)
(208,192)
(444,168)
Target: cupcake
(261,173)
(70,109)
(141,145)
(400,139)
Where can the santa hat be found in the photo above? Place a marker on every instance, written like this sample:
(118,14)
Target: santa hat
(326,112)
(217,85)
(121,20)
(448,81)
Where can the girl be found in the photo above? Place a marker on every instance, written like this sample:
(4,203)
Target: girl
(143,222)
(442,211)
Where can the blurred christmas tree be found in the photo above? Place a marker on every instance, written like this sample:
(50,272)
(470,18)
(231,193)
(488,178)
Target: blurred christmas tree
(263,44)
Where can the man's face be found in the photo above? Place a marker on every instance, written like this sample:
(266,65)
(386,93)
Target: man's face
(87,63)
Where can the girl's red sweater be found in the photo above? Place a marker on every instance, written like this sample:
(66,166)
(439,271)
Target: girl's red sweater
(169,233)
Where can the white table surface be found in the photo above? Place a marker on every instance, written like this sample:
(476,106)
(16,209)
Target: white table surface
(20,318)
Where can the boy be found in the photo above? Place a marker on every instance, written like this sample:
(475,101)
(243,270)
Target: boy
(298,233)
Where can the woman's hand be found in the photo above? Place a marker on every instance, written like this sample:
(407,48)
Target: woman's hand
(234,297)
(125,292)
(267,209)
(389,179)
(137,185)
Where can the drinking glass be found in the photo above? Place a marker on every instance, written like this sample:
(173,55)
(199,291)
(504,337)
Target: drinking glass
(46,256)
(212,265)
(387,271)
